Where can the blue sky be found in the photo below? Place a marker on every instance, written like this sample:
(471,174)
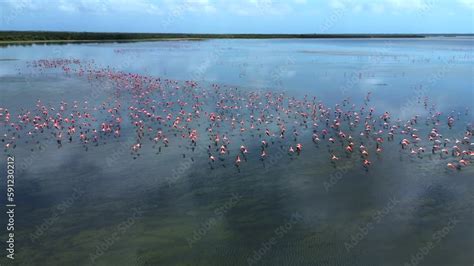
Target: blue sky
(240,16)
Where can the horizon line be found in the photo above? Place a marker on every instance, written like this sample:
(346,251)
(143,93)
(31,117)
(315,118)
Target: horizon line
(240,33)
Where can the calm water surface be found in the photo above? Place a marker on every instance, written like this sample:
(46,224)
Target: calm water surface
(101,207)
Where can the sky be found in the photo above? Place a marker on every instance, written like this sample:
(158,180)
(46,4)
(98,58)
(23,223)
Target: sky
(240,16)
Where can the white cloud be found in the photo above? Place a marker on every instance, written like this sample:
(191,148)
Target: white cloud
(380,6)
(197,6)
(104,6)
(377,8)
(357,8)
(67,6)
(19,5)
(467,3)
(337,4)
(410,5)
(236,7)
(259,7)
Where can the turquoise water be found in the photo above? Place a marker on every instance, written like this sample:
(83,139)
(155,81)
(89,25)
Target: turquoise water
(102,207)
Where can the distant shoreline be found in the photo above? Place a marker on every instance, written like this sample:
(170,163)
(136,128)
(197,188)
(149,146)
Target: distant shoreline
(55,37)
(29,42)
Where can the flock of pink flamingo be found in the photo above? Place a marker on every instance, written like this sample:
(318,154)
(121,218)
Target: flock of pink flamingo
(233,125)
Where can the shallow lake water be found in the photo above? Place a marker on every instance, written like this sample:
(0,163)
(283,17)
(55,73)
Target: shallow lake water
(102,207)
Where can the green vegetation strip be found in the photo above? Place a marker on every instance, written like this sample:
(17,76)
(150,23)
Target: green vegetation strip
(27,37)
